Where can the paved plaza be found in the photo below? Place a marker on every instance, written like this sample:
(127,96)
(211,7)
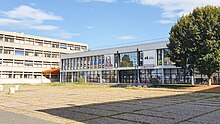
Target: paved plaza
(104,104)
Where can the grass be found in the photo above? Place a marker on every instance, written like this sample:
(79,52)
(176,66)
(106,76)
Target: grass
(75,85)
(176,86)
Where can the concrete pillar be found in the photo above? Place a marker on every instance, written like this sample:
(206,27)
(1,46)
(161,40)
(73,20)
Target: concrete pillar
(87,63)
(71,76)
(85,76)
(42,77)
(50,76)
(162,66)
(82,63)
(138,76)
(192,80)
(100,76)
(118,76)
(162,71)
(162,57)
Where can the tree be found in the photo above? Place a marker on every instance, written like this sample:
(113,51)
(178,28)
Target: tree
(126,62)
(195,41)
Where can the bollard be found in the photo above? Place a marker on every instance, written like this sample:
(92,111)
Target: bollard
(11,90)
(16,87)
(1,88)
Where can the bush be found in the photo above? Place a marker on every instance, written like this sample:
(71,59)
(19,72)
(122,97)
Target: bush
(81,80)
(154,81)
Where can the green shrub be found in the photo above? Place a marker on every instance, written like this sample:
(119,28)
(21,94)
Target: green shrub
(154,81)
(81,80)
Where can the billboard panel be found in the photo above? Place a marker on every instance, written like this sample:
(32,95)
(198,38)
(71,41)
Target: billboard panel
(109,60)
(149,57)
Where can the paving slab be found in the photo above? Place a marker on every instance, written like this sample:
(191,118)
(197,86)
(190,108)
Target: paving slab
(64,113)
(13,118)
(145,119)
(109,121)
(212,118)
(112,107)
(93,111)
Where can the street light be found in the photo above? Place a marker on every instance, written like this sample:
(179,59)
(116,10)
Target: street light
(136,72)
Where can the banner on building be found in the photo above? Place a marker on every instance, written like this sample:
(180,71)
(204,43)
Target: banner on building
(109,60)
(149,58)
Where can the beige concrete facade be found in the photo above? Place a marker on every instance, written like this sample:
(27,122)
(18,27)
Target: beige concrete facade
(23,57)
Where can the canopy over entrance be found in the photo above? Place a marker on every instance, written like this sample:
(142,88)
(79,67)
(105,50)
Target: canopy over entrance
(52,71)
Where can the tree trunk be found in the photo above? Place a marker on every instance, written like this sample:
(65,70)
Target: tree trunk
(209,81)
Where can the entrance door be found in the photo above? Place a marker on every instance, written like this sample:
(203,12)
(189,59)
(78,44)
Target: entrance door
(128,76)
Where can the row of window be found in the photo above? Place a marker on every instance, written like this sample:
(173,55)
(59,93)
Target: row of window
(26,75)
(29,52)
(83,63)
(28,63)
(171,76)
(129,59)
(91,76)
(38,42)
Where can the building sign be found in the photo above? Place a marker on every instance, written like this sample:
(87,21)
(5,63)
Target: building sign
(149,58)
(109,60)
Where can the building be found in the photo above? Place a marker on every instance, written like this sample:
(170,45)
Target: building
(131,64)
(24,57)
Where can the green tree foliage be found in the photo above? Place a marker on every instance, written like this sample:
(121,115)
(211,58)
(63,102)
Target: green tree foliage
(195,41)
(126,62)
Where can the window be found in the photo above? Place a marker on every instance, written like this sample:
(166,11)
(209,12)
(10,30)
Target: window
(141,58)
(1,39)
(63,46)
(0,61)
(7,62)
(1,49)
(166,57)
(6,74)
(128,59)
(18,74)
(159,57)
(28,63)
(19,52)
(18,63)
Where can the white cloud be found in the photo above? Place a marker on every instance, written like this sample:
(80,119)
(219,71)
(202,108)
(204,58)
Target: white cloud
(27,17)
(173,9)
(67,35)
(126,37)
(164,21)
(45,27)
(104,1)
(89,27)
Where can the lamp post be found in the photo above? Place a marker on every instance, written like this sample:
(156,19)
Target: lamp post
(136,73)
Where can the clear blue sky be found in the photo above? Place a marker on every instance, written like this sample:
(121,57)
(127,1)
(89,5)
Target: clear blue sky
(96,22)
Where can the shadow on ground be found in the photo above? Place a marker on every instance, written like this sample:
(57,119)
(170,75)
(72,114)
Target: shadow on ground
(196,107)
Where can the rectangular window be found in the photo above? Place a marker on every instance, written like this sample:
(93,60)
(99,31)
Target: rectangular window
(28,63)
(19,52)
(166,57)
(159,57)
(128,59)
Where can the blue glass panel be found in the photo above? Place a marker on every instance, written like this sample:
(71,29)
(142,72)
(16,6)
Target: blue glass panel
(18,52)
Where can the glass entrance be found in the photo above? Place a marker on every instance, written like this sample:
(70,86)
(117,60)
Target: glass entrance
(128,76)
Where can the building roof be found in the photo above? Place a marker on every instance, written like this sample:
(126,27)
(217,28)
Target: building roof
(140,47)
(52,71)
(41,38)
